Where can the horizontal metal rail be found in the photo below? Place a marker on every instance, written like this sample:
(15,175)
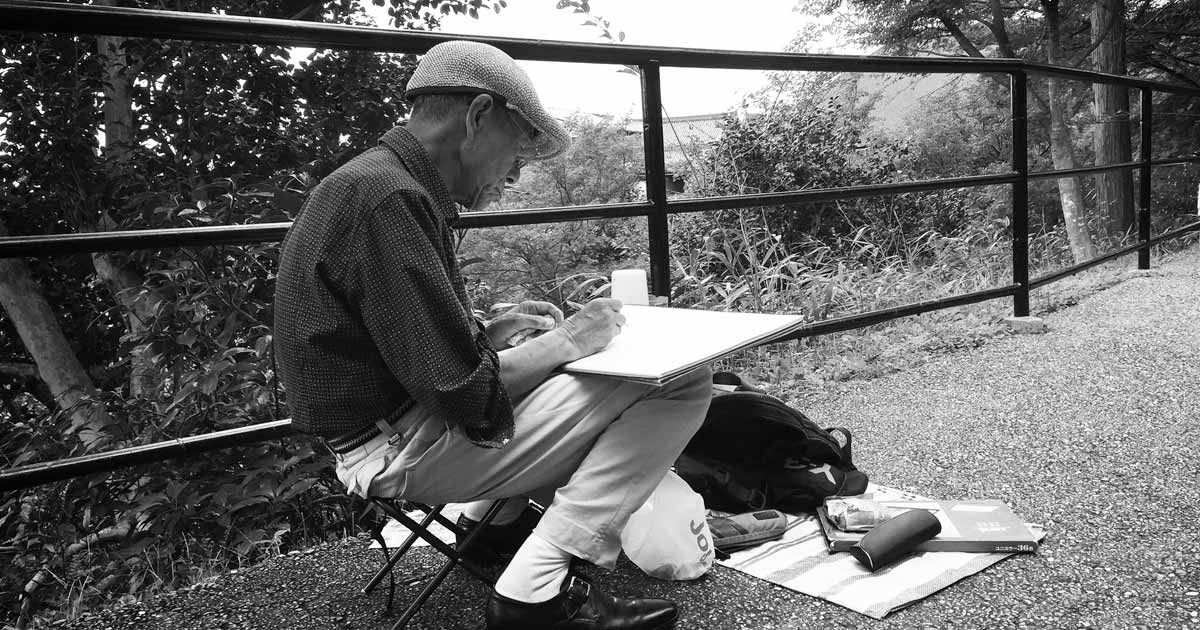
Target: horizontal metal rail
(1043,280)
(1100,77)
(23,477)
(851,322)
(58,244)
(829,194)
(1088,264)
(1176,160)
(83,19)
(55,17)
(1084,170)
(498,218)
(37,474)
(1174,234)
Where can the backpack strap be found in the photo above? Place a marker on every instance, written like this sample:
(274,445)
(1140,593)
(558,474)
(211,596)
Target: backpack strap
(848,448)
(737,382)
(755,499)
(718,479)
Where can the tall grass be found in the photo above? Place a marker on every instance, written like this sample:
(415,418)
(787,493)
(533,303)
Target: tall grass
(749,269)
(752,270)
(742,266)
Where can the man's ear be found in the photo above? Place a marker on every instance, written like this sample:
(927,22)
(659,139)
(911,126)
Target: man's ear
(480,108)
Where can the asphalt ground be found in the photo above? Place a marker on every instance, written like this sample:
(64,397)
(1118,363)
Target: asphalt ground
(1091,429)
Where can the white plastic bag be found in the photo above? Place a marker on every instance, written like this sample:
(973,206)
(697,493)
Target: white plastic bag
(668,537)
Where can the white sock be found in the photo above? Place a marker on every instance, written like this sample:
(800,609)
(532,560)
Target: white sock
(509,513)
(536,573)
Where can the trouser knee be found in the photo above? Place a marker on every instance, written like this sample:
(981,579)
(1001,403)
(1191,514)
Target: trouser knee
(698,391)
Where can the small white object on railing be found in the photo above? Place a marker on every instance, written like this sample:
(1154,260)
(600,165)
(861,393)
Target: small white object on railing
(629,286)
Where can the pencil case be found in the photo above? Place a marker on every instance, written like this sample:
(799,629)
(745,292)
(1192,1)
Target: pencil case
(739,531)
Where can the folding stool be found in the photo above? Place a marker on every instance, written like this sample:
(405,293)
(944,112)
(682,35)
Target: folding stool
(454,555)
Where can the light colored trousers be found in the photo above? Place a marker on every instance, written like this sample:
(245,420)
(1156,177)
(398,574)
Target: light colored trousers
(591,449)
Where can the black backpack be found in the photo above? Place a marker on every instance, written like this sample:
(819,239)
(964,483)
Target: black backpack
(754,452)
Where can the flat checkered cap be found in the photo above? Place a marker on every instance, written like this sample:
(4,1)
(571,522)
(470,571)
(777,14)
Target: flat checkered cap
(467,67)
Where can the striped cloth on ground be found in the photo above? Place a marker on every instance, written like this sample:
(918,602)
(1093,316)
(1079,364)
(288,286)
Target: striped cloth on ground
(800,561)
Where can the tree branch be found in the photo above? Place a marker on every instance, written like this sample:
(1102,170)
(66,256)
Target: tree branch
(1173,73)
(963,41)
(23,371)
(29,379)
(107,535)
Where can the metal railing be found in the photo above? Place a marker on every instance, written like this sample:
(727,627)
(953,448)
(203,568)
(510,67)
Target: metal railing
(41,17)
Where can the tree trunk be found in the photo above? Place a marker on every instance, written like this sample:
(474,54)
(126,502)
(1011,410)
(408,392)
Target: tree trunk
(138,306)
(57,364)
(118,102)
(1114,190)
(124,283)
(1061,153)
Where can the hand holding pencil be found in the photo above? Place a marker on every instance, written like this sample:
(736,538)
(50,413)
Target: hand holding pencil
(594,326)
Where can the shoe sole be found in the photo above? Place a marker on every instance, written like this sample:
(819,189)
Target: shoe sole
(668,624)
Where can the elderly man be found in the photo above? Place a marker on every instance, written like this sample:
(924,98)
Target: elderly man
(383,358)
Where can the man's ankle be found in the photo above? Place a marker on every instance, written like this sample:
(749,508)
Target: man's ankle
(536,573)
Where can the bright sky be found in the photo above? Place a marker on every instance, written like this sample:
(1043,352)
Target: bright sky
(753,25)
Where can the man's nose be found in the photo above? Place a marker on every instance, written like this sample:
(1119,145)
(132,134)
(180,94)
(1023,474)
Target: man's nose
(513,173)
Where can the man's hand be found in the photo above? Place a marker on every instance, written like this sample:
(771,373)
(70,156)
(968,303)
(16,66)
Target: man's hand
(586,332)
(593,327)
(525,320)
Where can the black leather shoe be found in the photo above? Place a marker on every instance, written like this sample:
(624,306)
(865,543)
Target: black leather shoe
(580,606)
(496,541)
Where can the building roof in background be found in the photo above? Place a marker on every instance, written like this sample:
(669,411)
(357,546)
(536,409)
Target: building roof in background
(682,133)
(703,127)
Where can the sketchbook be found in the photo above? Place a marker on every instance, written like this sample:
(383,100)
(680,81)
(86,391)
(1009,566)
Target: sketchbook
(658,344)
(974,526)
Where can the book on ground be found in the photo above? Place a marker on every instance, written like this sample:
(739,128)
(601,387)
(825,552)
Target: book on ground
(976,526)
(658,344)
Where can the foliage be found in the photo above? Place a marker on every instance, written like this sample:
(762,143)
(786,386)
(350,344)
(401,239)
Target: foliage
(816,132)
(221,134)
(603,165)
(229,134)
(603,26)
(1161,44)
(796,135)
(854,274)
(959,128)
(562,262)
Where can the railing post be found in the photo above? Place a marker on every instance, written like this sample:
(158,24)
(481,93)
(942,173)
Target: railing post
(1020,192)
(1144,196)
(656,178)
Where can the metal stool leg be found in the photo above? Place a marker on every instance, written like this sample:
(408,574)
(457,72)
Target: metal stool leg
(453,556)
(401,550)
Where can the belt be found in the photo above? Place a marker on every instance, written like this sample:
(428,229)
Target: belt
(347,442)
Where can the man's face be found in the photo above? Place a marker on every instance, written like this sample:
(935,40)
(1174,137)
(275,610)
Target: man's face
(497,154)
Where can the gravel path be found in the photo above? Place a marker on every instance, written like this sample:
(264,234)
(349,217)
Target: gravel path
(1092,429)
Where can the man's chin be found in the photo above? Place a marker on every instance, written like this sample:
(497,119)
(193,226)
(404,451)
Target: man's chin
(485,198)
